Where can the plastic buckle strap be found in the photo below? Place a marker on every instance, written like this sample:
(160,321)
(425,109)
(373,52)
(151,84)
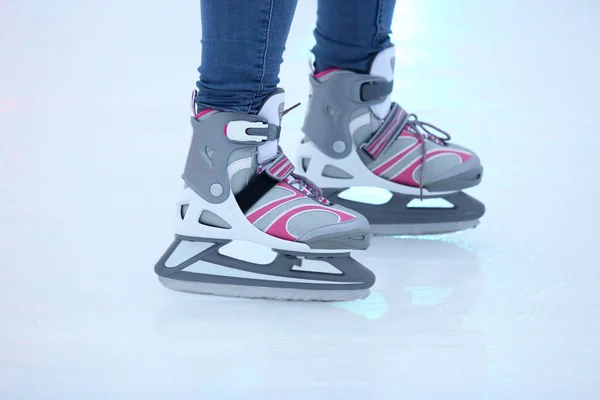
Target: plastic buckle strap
(247,131)
(280,168)
(393,125)
(376,90)
(272,131)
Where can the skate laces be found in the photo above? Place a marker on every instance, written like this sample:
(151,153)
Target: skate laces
(308,187)
(398,121)
(281,168)
(394,124)
(415,125)
(287,110)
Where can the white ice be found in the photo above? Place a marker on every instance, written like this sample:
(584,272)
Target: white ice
(94,130)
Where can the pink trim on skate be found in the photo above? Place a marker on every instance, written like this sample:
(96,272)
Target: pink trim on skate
(287,170)
(323,73)
(279,227)
(281,168)
(383,168)
(383,138)
(407,175)
(260,212)
(273,169)
(201,113)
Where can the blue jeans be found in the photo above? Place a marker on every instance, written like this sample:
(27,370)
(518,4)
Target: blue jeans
(243,43)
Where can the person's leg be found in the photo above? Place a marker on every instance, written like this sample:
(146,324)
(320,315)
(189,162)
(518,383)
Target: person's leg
(350,33)
(242,48)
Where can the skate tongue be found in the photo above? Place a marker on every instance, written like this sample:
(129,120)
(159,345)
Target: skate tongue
(272,111)
(383,66)
(272,107)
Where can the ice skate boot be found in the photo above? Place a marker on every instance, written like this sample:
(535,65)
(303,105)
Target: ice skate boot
(355,137)
(231,200)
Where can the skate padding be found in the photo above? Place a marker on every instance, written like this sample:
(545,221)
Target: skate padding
(195,265)
(396,217)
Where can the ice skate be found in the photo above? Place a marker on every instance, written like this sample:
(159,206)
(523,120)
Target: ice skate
(230,197)
(355,137)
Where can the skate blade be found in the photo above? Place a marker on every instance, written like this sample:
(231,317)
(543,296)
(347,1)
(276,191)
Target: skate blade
(464,214)
(261,292)
(422,229)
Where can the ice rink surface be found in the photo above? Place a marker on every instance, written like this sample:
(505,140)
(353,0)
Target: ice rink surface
(94,129)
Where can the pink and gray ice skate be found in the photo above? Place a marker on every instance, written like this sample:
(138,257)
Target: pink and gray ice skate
(357,138)
(231,195)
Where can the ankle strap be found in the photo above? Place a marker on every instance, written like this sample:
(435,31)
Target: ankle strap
(376,91)
(246,131)
(280,168)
